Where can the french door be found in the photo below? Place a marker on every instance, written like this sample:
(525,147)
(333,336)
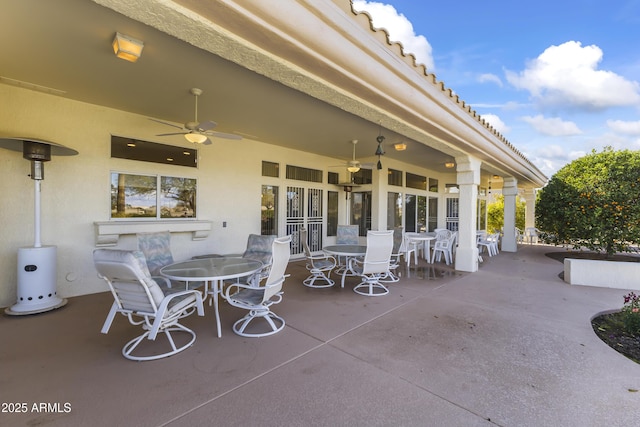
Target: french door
(301,212)
(453,213)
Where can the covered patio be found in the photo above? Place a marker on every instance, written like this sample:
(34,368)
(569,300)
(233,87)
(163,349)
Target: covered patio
(508,345)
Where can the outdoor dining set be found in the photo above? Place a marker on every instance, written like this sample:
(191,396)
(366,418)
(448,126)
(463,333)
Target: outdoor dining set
(155,292)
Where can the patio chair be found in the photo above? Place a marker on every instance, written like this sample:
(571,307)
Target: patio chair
(375,265)
(156,247)
(488,242)
(145,302)
(444,246)
(347,235)
(258,298)
(410,247)
(320,266)
(531,234)
(259,249)
(396,254)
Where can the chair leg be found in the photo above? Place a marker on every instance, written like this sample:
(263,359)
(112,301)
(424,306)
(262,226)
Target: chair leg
(269,316)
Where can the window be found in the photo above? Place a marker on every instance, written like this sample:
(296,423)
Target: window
(332,213)
(363,176)
(269,210)
(432,209)
(433,185)
(394,210)
(416,181)
(152,196)
(482,215)
(134,149)
(416,213)
(304,174)
(451,189)
(361,211)
(270,169)
(395,177)
(333,177)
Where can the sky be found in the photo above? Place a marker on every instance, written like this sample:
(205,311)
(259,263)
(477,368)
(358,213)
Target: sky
(557,79)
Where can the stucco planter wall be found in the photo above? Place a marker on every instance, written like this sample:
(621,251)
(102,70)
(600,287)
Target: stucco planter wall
(605,274)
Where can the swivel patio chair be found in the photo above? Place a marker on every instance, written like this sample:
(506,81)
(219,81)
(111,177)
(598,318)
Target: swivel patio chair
(346,235)
(258,298)
(259,249)
(145,302)
(156,247)
(320,266)
(396,254)
(375,265)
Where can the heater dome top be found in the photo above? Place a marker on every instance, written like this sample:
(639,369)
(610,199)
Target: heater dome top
(16,144)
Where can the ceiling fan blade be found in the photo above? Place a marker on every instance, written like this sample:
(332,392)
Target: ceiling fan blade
(205,126)
(224,135)
(172,133)
(165,123)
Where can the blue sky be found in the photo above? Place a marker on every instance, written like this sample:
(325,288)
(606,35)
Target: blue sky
(556,78)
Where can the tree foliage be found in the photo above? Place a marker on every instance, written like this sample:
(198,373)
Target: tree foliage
(593,202)
(495,214)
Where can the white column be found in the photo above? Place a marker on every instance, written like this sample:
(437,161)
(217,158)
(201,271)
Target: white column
(510,192)
(530,212)
(468,179)
(379,200)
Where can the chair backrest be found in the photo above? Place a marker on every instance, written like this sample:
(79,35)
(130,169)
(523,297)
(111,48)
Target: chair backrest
(347,235)
(378,255)
(129,279)
(156,247)
(303,240)
(443,234)
(259,248)
(281,252)
(398,235)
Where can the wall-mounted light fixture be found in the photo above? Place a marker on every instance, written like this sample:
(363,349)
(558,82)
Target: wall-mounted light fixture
(127,48)
(449,165)
(400,146)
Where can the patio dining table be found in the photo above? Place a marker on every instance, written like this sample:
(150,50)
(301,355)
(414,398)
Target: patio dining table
(212,271)
(425,239)
(348,252)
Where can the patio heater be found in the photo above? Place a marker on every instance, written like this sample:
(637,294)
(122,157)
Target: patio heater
(36,264)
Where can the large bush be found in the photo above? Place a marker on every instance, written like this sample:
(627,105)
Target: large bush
(594,202)
(495,214)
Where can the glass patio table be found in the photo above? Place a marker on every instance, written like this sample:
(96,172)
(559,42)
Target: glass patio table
(212,271)
(348,252)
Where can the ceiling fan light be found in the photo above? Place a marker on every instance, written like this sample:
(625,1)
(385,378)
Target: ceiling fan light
(127,48)
(196,138)
(353,169)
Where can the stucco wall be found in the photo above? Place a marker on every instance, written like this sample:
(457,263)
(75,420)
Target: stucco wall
(75,191)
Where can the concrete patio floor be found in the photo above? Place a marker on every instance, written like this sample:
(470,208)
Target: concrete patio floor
(510,345)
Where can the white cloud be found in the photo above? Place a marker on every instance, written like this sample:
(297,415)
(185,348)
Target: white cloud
(626,128)
(497,123)
(567,75)
(399,28)
(491,78)
(552,126)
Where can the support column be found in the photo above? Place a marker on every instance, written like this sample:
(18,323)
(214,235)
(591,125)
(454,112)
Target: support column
(378,201)
(530,212)
(468,179)
(510,192)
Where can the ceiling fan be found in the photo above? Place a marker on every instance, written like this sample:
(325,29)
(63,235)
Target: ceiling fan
(198,132)
(354,165)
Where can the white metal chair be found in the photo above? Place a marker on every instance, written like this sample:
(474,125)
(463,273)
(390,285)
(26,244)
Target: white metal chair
(258,298)
(444,245)
(375,265)
(144,302)
(320,266)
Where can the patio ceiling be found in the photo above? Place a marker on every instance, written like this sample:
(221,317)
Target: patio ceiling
(64,47)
